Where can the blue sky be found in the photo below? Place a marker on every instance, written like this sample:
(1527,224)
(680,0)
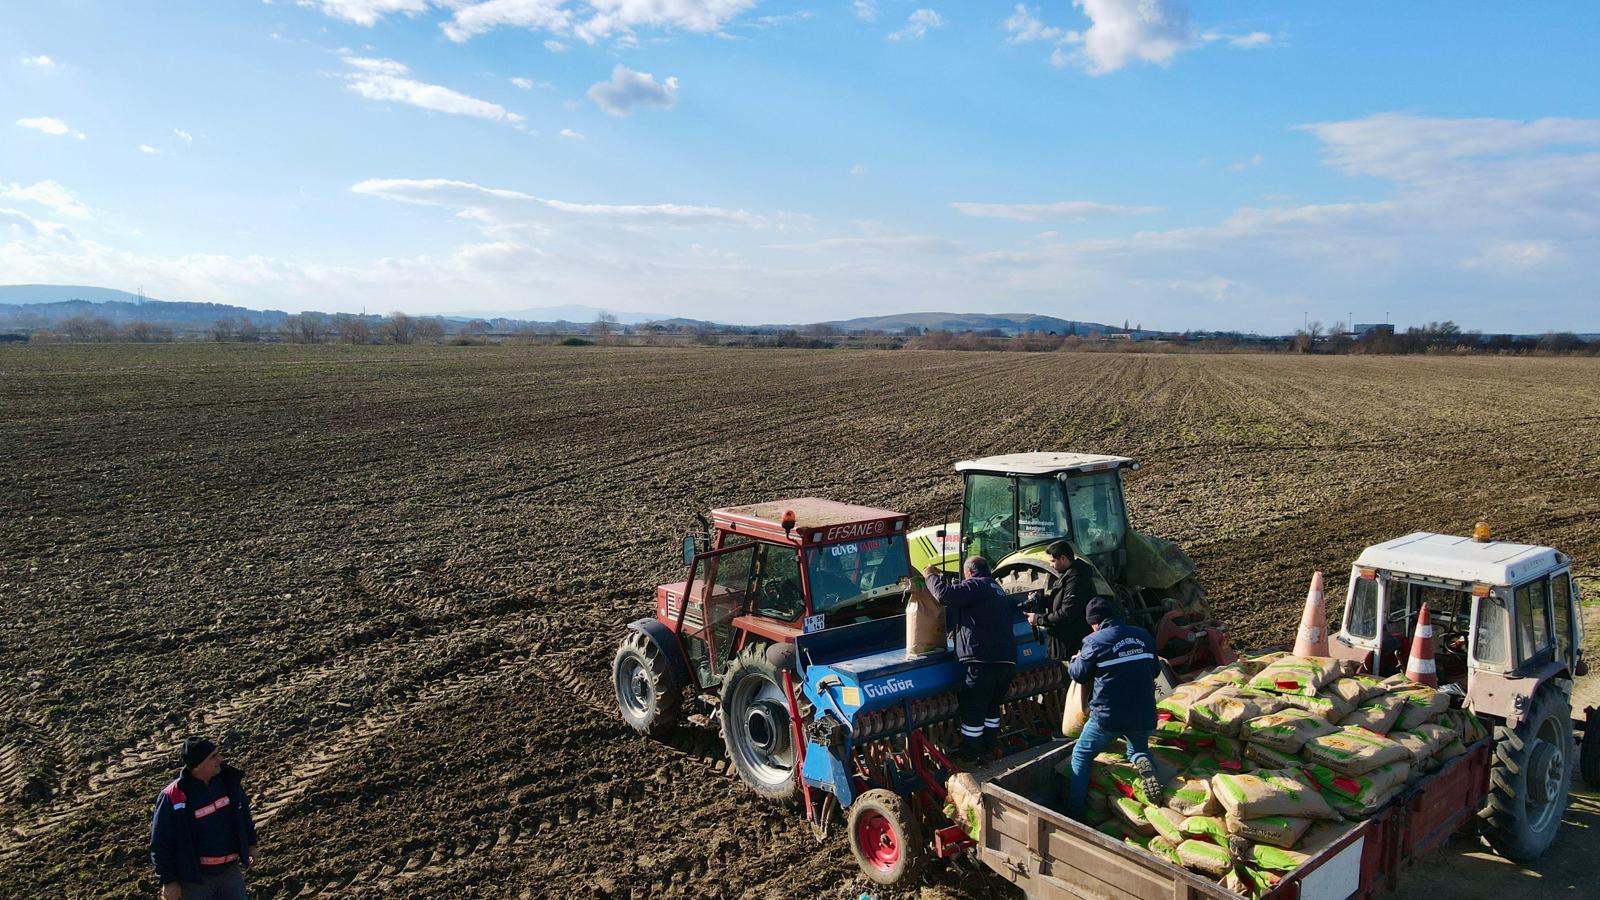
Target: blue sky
(1182,165)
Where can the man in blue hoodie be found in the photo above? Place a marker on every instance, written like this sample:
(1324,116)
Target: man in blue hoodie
(201,835)
(984,647)
(1121,661)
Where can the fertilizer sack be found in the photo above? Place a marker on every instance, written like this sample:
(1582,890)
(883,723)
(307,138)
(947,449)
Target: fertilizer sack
(1223,712)
(1178,702)
(1165,849)
(1075,713)
(1422,704)
(1203,857)
(1304,675)
(1190,796)
(1208,828)
(1376,715)
(1249,881)
(1274,858)
(967,799)
(1269,793)
(1287,730)
(1353,751)
(1279,831)
(1166,822)
(1267,758)
(924,620)
(1130,813)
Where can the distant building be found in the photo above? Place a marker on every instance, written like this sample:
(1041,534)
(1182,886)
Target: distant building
(1364,330)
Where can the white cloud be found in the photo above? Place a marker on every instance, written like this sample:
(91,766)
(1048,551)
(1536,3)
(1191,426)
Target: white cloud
(502,207)
(48,125)
(858,170)
(1513,255)
(385,79)
(1070,210)
(184,136)
(917,25)
(1025,27)
(1248,41)
(865,10)
(366,12)
(571,135)
(39,62)
(146,148)
(555,46)
(1240,165)
(524,83)
(50,195)
(628,89)
(1122,31)
(591,21)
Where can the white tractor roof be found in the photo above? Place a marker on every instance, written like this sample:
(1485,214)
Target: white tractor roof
(1044,463)
(1458,558)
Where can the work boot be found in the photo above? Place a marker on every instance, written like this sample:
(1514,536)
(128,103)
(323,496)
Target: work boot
(968,755)
(1147,773)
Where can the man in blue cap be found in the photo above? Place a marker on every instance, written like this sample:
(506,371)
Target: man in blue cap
(201,835)
(1121,661)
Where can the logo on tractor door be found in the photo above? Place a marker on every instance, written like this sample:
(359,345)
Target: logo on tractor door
(892,686)
(855,530)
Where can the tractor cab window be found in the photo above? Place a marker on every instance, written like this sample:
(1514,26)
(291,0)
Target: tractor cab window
(1362,622)
(1041,511)
(1561,599)
(1098,522)
(988,518)
(1533,619)
(852,572)
(778,593)
(1490,644)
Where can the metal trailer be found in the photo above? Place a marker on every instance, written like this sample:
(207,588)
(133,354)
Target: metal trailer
(1028,840)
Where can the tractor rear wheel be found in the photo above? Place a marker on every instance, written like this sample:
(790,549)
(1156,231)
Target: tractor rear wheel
(1529,779)
(886,838)
(756,727)
(648,696)
(1589,752)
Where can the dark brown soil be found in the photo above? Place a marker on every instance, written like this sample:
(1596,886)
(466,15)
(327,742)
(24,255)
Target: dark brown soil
(392,579)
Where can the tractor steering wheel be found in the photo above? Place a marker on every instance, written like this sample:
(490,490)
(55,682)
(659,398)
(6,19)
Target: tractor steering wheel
(994,521)
(1454,642)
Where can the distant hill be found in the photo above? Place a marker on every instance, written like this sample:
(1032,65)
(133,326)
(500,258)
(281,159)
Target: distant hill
(19,294)
(1010,323)
(28,306)
(569,313)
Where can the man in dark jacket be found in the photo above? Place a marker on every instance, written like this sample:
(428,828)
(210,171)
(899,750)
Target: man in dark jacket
(1121,661)
(1071,588)
(985,648)
(201,835)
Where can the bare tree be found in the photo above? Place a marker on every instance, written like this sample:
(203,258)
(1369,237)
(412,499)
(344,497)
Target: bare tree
(352,329)
(142,332)
(399,328)
(222,331)
(246,329)
(476,326)
(604,324)
(430,329)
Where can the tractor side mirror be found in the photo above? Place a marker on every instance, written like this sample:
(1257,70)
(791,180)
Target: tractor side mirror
(690,545)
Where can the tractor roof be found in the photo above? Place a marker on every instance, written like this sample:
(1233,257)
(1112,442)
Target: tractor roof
(815,520)
(1455,558)
(1045,463)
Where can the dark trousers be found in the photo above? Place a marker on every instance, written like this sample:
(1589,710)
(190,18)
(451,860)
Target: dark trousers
(982,691)
(225,883)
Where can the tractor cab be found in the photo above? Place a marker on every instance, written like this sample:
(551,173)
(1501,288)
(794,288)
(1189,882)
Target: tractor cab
(771,571)
(1505,616)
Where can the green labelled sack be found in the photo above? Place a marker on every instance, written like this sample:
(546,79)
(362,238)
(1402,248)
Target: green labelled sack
(1304,675)
(1134,840)
(1268,758)
(1275,859)
(1279,831)
(1376,715)
(1179,701)
(1208,827)
(1450,751)
(1200,856)
(1171,758)
(1286,730)
(1167,823)
(1131,814)
(1162,847)
(1353,751)
(1223,712)
(1359,797)
(1265,701)
(1190,796)
(1422,704)
(1270,793)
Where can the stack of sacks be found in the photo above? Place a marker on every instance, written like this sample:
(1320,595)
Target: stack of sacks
(1274,754)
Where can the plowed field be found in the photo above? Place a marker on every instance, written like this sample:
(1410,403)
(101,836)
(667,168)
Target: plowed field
(392,579)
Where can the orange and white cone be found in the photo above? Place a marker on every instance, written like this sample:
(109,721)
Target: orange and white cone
(1419,667)
(1312,639)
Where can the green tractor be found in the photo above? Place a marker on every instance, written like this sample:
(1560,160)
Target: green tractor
(1014,506)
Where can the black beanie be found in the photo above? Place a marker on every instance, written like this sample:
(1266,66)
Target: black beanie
(1099,610)
(196,749)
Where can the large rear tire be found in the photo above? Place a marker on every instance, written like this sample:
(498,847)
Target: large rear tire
(648,696)
(1529,779)
(1589,753)
(886,838)
(756,727)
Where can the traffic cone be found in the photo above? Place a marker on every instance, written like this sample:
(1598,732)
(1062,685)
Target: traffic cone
(1312,639)
(1419,667)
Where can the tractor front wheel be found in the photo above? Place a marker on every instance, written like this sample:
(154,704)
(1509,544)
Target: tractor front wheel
(756,727)
(885,838)
(1529,779)
(648,696)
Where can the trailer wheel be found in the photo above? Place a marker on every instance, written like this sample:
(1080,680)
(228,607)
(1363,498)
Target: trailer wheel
(885,838)
(648,696)
(756,728)
(1589,752)
(1529,779)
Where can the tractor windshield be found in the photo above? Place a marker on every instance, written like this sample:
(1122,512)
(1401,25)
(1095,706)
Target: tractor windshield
(842,574)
